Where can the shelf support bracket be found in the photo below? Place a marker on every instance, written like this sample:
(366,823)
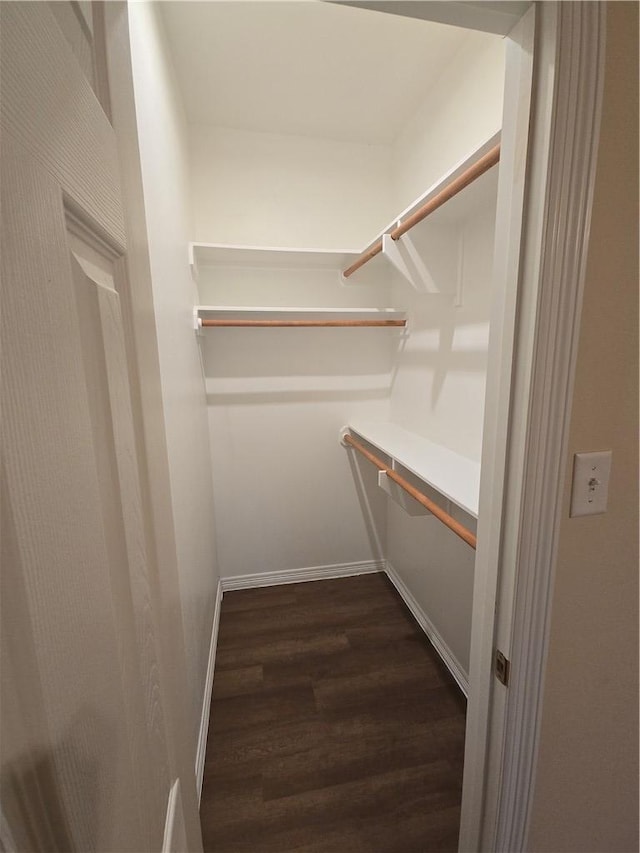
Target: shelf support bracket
(342,434)
(404,256)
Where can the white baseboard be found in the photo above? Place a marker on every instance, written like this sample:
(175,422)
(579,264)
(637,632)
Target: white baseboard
(312,573)
(208,687)
(450,660)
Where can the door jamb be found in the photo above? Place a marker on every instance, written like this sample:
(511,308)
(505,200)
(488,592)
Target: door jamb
(501,760)
(511,326)
(571,42)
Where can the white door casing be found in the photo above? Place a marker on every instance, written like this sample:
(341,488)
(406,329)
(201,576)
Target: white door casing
(496,486)
(561,173)
(501,754)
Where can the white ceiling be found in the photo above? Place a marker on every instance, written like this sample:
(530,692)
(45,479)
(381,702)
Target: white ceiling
(307,68)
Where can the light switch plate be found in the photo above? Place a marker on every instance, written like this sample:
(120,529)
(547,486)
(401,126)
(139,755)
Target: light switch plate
(590,483)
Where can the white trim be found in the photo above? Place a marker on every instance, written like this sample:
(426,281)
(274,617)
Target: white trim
(433,635)
(312,573)
(206,699)
(570,180)
(508,367)
(174,833)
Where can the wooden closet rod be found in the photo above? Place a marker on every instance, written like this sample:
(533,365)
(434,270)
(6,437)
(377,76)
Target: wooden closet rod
(459,529)
(303,323)
(467,177)
(364,258)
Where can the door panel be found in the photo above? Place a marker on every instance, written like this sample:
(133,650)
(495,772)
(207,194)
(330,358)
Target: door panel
(76,22)
(84,754)
(51,459)
(95,271)
(53,113)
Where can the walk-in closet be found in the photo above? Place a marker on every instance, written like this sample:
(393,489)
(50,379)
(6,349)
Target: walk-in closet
(339,181)
(280,223)
(317,359)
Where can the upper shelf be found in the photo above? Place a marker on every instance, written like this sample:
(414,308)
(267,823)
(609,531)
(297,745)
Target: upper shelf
(449,473)
(220,254)
(451,203)
(451,200)
(448,178)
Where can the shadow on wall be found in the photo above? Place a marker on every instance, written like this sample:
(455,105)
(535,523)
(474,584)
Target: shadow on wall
(366,483)
(451,348)
(449,319)
(448,331)
(238,353)
(34,816)
(255,366)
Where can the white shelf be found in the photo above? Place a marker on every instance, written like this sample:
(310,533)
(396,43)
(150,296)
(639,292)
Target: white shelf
(474,197)
(454,476)
(274,313)
(279,257)
(261,257)
(230,316)
(466,194)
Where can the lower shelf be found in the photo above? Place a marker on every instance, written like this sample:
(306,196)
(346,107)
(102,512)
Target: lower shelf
(207,316)
(452,475)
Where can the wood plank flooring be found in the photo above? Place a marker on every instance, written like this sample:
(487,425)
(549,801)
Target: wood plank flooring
(335,727)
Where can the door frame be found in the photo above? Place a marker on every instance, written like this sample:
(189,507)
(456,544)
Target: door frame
(521,513)
(521,504)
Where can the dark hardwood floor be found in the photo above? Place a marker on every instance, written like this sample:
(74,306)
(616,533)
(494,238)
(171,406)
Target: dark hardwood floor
(334,725)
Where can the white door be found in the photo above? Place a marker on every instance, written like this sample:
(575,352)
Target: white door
(84,743)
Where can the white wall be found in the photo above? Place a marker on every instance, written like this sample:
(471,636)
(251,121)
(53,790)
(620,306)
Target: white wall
(459,112)
(439,385)
(438,390)
(437,567)
(286,496)
(165,181)
(272,190)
